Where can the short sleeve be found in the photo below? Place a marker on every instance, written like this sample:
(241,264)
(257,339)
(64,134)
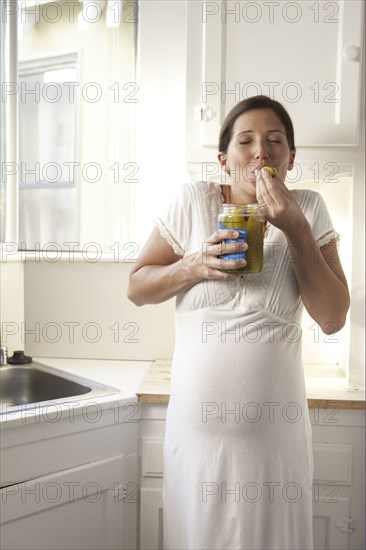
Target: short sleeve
(316,212)
(176,222)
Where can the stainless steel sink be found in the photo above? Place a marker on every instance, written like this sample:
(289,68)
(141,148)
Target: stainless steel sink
(25,386)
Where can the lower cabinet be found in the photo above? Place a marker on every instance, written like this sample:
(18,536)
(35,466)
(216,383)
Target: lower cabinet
(71,485)
(76,508)
(338,485)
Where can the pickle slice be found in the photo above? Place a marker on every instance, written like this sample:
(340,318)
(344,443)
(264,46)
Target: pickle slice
(270,170)
(234,220)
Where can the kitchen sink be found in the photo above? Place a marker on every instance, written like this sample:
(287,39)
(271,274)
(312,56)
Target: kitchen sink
(26,386)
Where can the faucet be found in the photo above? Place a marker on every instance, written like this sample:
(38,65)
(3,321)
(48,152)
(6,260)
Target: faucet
(3,355)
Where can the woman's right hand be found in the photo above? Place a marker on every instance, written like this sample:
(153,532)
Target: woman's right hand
(160,273)
(207,263)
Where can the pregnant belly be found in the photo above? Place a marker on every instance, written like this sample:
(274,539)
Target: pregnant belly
(236,382)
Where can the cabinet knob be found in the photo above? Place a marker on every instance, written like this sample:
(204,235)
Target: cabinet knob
(207,114)
(351,53)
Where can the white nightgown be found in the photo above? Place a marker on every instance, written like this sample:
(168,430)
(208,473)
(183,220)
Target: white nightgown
(238,464)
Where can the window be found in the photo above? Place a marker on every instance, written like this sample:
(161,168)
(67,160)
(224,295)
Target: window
(74,93)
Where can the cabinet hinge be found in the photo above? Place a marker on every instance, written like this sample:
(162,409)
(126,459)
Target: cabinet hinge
(346,525)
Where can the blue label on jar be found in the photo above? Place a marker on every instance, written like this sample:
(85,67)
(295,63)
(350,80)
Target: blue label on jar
(241,239)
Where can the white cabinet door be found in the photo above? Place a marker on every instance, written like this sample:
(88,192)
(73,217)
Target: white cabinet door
(307,55)
(330,527)
(151,533)
(78,508)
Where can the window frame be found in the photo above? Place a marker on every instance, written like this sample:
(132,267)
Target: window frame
(10,127)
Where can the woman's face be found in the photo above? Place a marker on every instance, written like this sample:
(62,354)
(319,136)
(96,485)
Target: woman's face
(258,139)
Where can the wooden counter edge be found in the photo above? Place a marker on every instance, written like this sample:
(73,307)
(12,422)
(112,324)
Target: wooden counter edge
(338,403)
(163,399)
(160,399)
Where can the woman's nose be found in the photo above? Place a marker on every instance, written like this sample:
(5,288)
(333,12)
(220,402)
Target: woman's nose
(261,152)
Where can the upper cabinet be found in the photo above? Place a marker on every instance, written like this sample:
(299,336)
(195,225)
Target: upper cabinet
(307,55)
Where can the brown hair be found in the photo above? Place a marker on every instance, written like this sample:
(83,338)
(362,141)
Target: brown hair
(255,102)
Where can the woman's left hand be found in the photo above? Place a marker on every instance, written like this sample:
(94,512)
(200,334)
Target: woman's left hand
(279,206)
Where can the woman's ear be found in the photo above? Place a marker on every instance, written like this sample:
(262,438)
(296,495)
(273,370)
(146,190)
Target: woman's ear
(291,160)
(223,161)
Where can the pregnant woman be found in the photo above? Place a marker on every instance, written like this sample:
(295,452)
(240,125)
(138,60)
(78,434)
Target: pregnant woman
(238,465)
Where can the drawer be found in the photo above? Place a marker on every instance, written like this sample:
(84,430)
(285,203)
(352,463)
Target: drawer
(333,462)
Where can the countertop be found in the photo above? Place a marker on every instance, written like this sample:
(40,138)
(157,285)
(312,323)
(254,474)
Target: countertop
(325,387)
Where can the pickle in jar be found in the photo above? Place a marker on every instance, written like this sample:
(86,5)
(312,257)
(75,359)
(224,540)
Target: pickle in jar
(249,219)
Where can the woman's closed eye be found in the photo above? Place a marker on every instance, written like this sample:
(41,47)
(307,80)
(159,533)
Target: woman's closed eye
(247,142)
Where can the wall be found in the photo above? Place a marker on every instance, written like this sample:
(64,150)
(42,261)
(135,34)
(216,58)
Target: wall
(80,310)
(160,130)
(11,302)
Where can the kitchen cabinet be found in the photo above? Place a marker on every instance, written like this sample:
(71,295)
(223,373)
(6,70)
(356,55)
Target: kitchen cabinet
(307,55)
(69,481)
(338,488)
(339,481)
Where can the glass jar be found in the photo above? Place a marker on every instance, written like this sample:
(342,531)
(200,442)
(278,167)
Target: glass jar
(248,220)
